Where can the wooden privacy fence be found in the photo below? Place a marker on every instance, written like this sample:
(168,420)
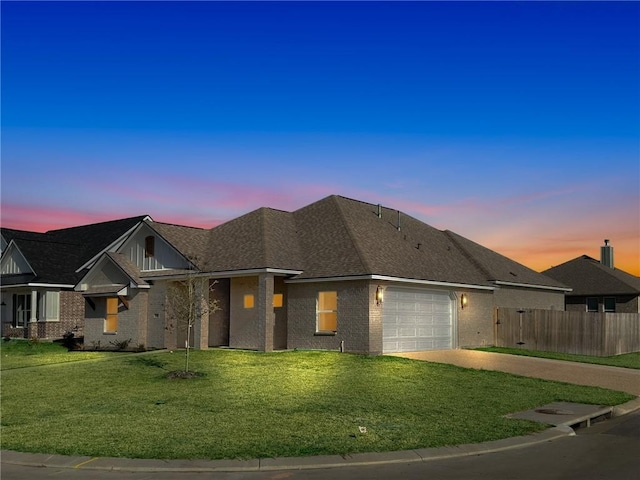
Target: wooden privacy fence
(600,334)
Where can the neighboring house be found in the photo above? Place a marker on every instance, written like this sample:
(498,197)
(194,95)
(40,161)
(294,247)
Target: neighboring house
(597,286)
(38,273)
(336,274)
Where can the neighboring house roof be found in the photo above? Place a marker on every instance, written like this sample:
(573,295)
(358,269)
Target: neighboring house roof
(57,254)
(52,262)
(587,276)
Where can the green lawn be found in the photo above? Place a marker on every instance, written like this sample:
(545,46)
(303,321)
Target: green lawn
(26,353)
(249,405)
(627,360)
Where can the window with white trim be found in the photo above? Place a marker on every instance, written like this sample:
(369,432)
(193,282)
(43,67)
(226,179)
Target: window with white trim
(592,304)
(21,309)
(327,312)
(49,306)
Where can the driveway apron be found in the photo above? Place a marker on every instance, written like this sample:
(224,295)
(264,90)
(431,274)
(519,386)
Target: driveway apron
(614,378)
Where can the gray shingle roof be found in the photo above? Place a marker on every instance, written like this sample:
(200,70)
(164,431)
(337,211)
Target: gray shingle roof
(263,238)
(57,254)
(341,237)
(189,241)
(587,276)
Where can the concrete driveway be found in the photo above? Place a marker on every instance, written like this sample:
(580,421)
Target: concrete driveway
(615,378)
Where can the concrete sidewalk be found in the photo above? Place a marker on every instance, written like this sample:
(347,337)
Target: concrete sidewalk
(614,378)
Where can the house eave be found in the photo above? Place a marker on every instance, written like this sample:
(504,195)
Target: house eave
(529,285)
(223,274)
(386,278)
(38,285)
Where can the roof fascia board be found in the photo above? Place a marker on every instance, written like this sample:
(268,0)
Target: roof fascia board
(226,274)
(13,244)
(385,278)
(113,246)
(45,285)
(528,285)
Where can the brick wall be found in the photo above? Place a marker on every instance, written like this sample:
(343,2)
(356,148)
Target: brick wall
(354,301)
(475,325)
(131,322)
(219,319)
(515,297)
(244,330)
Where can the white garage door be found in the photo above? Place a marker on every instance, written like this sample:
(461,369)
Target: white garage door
(415,320)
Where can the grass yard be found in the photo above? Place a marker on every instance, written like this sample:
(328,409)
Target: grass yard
(26,353)
(627,360)
(250,405)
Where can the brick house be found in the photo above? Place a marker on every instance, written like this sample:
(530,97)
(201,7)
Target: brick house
(597,286)
(39,272)
(336,274)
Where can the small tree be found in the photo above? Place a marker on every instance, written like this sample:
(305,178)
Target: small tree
(187,301)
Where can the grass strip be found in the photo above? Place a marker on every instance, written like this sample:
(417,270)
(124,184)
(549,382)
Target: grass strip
(627,360)
(27,353)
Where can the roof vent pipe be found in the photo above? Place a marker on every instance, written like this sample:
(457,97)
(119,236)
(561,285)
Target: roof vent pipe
(379,211)
(606,254)
(398,220)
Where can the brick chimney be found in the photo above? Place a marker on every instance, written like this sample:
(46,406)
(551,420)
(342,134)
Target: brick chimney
(606,254)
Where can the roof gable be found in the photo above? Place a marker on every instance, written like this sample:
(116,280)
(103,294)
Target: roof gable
(13,262)
(588,276)
(111,270)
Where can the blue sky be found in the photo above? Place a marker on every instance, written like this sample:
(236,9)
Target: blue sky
(515,124)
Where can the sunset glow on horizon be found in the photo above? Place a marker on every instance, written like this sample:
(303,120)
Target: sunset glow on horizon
(513,124)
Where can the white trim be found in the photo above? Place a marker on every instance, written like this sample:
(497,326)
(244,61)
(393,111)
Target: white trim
(45,285)
(113,246)
(224,274)
(123,292)
(384,278)
(528,285)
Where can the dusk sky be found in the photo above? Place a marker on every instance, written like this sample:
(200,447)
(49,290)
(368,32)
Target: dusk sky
(516,125)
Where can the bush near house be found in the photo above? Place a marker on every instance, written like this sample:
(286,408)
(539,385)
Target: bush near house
(253,405)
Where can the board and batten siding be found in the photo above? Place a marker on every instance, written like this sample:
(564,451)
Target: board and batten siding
(14,263)
(164,255)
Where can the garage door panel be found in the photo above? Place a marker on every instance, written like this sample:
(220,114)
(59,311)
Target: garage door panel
(415,320)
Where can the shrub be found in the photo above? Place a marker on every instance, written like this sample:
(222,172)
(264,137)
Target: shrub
(120,345)
(69,341)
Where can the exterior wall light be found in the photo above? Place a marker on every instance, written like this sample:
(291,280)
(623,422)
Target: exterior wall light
(463,300)
(379,295)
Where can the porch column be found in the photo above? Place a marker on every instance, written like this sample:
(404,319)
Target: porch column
(266,315)
(201,324)
(32,325)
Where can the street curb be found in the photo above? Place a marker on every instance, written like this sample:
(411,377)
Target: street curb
(625,408)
